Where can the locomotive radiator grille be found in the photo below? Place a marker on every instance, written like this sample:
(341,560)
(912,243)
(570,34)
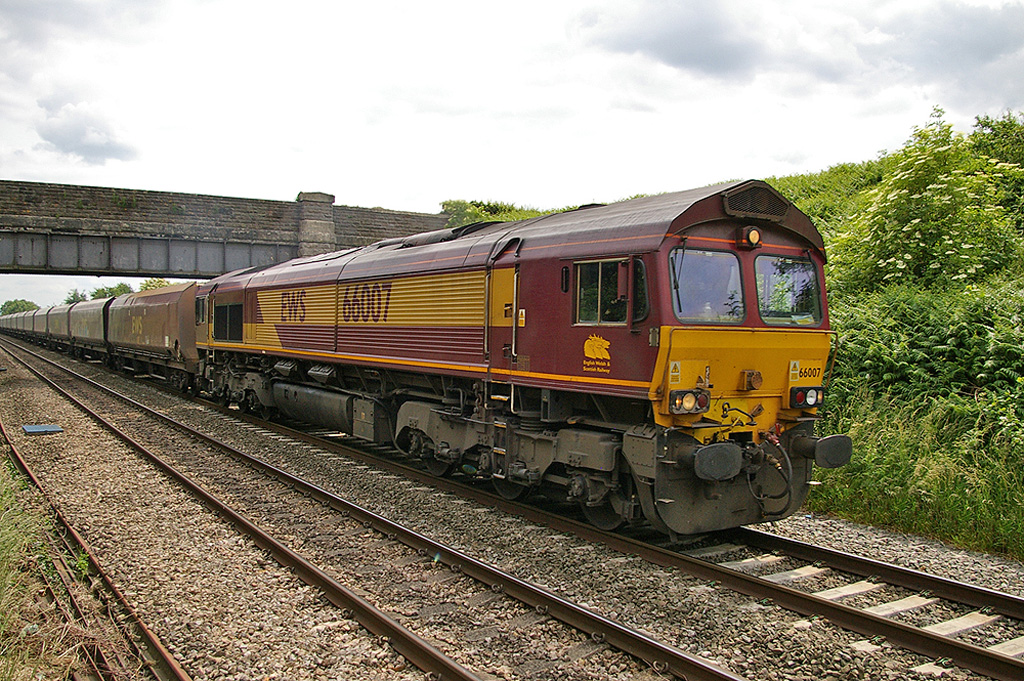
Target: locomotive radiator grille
(756,202)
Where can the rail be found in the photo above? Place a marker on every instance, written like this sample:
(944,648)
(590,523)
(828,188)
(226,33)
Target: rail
(662,657)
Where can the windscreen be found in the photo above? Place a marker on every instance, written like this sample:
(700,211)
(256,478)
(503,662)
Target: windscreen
(788,292)
(706,286)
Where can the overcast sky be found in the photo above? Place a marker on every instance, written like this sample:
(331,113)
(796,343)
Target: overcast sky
(542,103)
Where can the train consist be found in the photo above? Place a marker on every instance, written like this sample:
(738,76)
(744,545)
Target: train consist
(658,360)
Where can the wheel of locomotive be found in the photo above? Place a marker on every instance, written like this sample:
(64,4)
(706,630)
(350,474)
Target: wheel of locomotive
(250,404)
(421,446)
(612,511)
(508,489)
(437,467)
(607,514)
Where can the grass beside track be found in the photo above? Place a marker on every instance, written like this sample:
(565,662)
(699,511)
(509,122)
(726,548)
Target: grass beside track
(33,644)
(949,468)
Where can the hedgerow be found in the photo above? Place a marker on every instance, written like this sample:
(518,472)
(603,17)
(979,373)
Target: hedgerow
(927,298)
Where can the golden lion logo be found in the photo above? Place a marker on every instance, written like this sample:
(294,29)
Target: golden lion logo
(596,347)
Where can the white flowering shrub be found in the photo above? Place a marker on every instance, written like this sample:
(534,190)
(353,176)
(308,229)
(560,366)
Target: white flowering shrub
(934,219)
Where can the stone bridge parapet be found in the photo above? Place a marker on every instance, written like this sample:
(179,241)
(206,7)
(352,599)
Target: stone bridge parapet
(71,229)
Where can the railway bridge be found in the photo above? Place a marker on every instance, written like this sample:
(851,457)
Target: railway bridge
(71,229)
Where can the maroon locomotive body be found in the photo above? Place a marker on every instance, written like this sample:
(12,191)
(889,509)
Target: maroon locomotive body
(658,360)
(661,359)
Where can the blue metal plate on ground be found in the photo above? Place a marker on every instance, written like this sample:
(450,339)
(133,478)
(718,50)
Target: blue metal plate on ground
(42,430)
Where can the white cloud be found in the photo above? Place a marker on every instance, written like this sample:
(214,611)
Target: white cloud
(79,131)
(405,104)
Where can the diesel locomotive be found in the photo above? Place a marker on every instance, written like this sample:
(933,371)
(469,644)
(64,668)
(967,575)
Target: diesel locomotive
(660,360)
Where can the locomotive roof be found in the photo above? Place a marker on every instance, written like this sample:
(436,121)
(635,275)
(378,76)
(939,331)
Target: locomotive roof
(636,225)
(676,212)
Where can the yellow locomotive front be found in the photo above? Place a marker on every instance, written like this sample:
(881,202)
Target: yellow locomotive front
(738,382)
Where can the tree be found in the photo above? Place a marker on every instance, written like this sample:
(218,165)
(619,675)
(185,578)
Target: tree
(467,212)
(111,291)
(17,305)
(935,217)
(1003,139)
(75,296)
(153,283)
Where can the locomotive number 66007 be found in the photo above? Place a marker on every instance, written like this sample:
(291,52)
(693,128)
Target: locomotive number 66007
(366,302)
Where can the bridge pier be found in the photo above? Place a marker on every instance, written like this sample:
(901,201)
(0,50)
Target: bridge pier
(316,224)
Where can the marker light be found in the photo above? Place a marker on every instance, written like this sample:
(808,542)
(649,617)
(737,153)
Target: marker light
(689,401)
(805,398)
(751,237)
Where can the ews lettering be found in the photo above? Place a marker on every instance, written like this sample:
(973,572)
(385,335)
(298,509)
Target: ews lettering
(366,302)
(293,306)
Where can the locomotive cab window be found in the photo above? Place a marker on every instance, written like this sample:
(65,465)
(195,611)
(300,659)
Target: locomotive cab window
(602,292)
(706,287)
(200,311)
(227,322)
(788,291)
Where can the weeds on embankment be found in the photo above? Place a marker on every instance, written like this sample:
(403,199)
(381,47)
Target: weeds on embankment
(948,468)
(930,387)
(32,645)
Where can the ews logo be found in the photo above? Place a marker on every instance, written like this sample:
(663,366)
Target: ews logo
(293,306)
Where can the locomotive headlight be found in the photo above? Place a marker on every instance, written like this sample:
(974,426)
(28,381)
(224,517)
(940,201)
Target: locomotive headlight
(689,401)
(812,397)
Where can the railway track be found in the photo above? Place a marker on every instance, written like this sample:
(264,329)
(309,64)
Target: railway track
(772,568)
(719,561)
(140,650)
(962,608)
(279,509)
(769,568)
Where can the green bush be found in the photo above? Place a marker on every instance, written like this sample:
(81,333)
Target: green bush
(927,298)
(1003,139)
(935,218)
(467,212)
(948,467)
(833,196)
(915,343)
(929,384)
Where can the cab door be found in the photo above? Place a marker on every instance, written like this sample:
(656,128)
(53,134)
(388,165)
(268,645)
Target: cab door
(502,329)
(502,332)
